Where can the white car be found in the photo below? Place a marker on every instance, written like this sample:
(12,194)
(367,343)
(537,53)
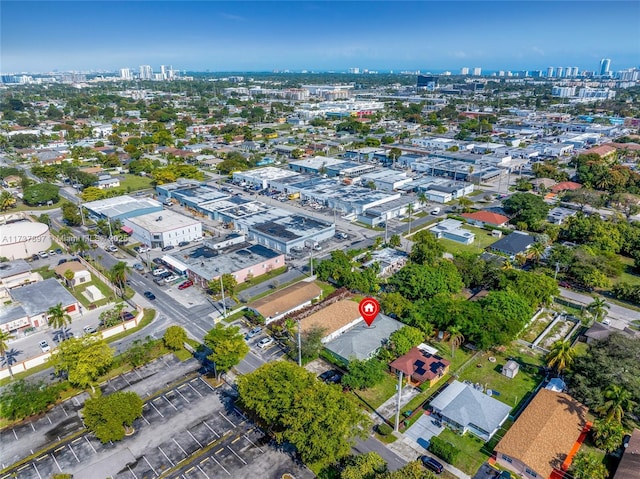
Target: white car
(43,254)
(171,278)
(45,346)
(144,249)
(89,330)
(112,249)
(159,271)
(264,342)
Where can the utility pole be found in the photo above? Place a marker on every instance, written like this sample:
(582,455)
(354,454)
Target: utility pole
(224,306)
(81,213)
(397,425)
(299,346)
(555,276)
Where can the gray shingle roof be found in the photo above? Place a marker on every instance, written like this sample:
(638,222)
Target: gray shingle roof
(361,341)
(465,405)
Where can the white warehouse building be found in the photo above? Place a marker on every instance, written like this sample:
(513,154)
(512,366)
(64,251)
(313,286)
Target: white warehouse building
(163,228)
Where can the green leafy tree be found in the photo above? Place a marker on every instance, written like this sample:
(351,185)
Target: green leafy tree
(395,241)
(227,346)
(93,193)
(311,344)
(598,308)
(527,208)
(22,399)
(417,281)
(426,248)
(139,353)
(6,200)
(318,419)
(229,283)
(174,338)
(395,304)
(59,318)
(561,355)
(618,401)
(108,416)
(607,435)
(404,339)
(5,337)
(83,359)
(363,466)
(413,470)
(456,339)
(586,465)
(40,194)
(364,374)
(71,214)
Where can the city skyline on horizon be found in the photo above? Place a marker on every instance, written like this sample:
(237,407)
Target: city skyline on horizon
(318,36)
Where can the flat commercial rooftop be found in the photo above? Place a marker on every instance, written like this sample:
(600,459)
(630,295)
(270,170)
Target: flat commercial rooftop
(268,173)
(12,268)
(209,263)
(279,223)
(37,298)
(120,206)
(317,162)
(165,221)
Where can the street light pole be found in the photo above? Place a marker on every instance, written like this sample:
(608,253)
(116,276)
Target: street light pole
(299,346)
(397,424)
(224,306)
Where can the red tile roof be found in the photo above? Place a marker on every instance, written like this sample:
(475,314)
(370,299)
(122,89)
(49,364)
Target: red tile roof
(566,185)
(420,365)
(487,217)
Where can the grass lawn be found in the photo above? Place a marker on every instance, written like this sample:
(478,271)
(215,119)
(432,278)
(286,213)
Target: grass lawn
(20,206)
(104,289)
(261,279)
(134,182)
(373,397)
(45,272)
(628,274)
(512,391)
(471,456)
(482,240)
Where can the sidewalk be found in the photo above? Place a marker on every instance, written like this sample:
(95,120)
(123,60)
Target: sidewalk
(409,450)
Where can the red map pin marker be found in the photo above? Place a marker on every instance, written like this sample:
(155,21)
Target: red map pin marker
(369,309)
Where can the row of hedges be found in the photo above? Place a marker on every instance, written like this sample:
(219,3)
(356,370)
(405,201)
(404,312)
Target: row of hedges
(443,450)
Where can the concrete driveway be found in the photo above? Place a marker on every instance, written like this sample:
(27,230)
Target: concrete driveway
(423,430)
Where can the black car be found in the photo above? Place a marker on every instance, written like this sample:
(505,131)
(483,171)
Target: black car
(431,464)
(335,379)
(157,261)
(183,243)
(62,261)
(35,257)
(58,251)
(127,316)
(149,295)
(168,247)
(327,374)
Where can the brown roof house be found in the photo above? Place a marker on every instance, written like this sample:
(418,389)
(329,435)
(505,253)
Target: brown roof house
(421,365)
(291,298)
(80,273)
(481,218)
(544,437)
(335,319)
(629,467)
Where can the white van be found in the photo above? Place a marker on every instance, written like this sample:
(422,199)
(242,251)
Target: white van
(435,211)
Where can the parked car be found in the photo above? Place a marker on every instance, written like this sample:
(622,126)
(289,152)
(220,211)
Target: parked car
(52,252)
(170,278)
(264,342)
(93,245)
(157,261)
(335,378)
(168,247)
(62,261)
(35,257)
(144,249)
(159,271)
(112,249)
(43,254)
(505,475)
(149,295)
(431,464)
(186,284)
(138,267)
(127,315)
(45,346)
(58,251)
(183,243)
(89,330)
(327,374)
(159,280)
(253,332)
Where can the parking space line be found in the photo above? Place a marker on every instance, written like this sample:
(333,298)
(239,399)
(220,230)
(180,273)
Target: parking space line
(172,405)
(76,440)
(178,444)
(74,453)
(32,427)
(147,461)
(205,474)
(145,419)
(56,461)
(89,442)
(234,453)
(232,424)
(170,461)
(37,472)
(208,385)
(193,437)
(182,396)
(254,444)
(220,465)
(14,433)
(133,473)
(23,467)
(154,407)
(65,411)
(210,428)
(198,392)
(59,449)
(49,420)
(240,413)
(42,457)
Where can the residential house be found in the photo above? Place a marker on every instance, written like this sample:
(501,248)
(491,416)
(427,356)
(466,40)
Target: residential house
(565,186)
(485,218)
(361,341)
(452,230)
(513,244)
(81,274)
(421,365)
(388,260)
(107,181)
(464,408)
(559,215)
(287,300)
(629,466)
(334,319)
(544,437)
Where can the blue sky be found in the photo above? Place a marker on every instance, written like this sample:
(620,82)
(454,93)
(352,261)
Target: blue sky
(317,35)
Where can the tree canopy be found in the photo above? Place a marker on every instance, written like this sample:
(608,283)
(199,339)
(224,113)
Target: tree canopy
(40,194)
(107,416)
(526,208)
(227,346)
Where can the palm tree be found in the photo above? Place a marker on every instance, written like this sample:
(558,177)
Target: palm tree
(507,264)
(65,234)
(69,275)
(561,355)
(81,246)
(598,308)
(422,198)
(464,204)
(118,274)
(456,338)
(618,402)
(4,347)
(6,200)
(58,318)
(536,251)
